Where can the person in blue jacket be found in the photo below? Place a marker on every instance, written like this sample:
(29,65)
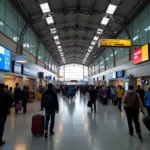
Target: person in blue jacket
(147,97)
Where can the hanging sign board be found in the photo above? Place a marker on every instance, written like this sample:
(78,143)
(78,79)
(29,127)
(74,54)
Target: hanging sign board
(141,54)
(115,42)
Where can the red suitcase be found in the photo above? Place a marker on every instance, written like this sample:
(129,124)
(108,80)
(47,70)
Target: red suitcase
(37,125)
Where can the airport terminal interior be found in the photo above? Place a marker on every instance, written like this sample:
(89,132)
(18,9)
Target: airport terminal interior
(87,53)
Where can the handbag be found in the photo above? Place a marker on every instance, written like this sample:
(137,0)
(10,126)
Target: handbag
(89,104)
(18,106)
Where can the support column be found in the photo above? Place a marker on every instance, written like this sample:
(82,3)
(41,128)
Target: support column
(37,52)
(83,72)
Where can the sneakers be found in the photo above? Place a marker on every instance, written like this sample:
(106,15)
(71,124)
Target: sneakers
(46,134)
(140,136)
(2,143)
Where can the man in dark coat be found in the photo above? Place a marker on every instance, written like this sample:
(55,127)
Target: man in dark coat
(24,98)
(93,97)
(5,103)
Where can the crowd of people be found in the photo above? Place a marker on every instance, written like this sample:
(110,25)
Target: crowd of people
(132,99)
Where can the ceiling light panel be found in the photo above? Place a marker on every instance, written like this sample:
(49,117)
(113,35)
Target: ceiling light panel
(53,31)
(105,21)
(99,31)
(57,42)
(93,43)
(95,38)
(59,47)
(49,20)
(45,7)
(111,9)
(56,37)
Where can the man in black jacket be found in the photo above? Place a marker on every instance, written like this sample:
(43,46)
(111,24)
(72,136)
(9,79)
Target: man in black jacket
(51,106)
(5,103)
(141,92)
(24,98)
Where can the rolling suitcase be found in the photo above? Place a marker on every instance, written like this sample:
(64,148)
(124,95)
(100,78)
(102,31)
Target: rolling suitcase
(105,101)
(37,125)
(146,121)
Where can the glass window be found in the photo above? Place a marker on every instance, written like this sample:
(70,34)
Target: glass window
(73,72)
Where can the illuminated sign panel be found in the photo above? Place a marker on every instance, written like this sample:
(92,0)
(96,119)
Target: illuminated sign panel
(115,43)
(141,54)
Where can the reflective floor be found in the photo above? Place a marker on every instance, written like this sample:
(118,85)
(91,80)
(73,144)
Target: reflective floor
(76,128)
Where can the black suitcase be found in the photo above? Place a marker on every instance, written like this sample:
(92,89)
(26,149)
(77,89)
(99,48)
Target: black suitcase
(105,101)
(146,121)
(89,104)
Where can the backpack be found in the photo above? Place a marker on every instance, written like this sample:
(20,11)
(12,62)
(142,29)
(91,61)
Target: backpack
(132,100)
(48,102)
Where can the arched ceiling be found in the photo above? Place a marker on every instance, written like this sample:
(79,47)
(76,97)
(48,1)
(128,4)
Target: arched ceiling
(76,23)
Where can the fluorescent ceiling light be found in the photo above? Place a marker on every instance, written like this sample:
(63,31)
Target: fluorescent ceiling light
(57,42)
(60,50)
(53,31)
(105,21)
(56,37)
(45,7)
(49,20)
(111,9)
(59,46)
(61,53)
(91,47)
(89,50)
(95,38)
(93,43)
(99,31)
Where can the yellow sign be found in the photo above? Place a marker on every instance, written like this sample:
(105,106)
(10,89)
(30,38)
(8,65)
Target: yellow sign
(145,52)
(115,43)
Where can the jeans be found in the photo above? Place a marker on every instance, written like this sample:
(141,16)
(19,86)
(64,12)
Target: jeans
(93,103)
(24,104)
(49,114)
(2,124)
(119,103)
(133,115)
(113,97)
(148,110)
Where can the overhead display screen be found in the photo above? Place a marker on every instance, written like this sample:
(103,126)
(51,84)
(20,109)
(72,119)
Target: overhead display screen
(17,68)
(5,58)
(115,43)
(141,54)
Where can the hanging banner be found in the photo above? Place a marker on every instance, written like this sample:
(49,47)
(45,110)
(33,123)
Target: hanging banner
(115,43)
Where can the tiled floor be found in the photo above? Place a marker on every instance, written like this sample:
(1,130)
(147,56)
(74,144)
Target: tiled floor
(76,129)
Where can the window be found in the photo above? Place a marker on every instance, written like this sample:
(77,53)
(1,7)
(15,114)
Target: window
(73,72)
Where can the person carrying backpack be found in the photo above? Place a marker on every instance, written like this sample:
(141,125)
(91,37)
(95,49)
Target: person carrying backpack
(132,103)
(51,106)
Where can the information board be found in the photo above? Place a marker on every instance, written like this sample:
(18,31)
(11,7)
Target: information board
(115,43)
(141,54)
(5,59)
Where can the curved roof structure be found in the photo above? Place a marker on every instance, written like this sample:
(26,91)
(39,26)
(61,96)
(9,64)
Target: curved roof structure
(71,28)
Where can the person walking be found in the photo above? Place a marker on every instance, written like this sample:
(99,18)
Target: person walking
(93,97)
(100,94)
(141,93)
(5,103)
(147,98)
(132,102)
(51,106)
(24,98)
(17,92)
(113,93)
(120,94)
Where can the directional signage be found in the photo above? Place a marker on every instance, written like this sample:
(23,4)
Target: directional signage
(115,43)
(141,54)
(5,58)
